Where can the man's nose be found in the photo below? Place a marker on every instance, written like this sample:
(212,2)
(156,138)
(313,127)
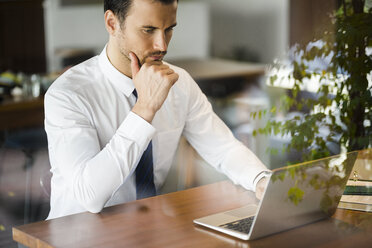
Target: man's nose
(160,43)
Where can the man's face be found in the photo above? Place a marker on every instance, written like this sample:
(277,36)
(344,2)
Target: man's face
(147,30)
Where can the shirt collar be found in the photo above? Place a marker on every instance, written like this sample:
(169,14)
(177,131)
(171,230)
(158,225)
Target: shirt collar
(123,83)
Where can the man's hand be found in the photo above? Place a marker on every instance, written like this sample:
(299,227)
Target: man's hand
(260,187)
(152,81)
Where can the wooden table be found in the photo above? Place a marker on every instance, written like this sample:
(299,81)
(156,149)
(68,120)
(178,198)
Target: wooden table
(214,68)
(21,114)
(221,77)
(167,221)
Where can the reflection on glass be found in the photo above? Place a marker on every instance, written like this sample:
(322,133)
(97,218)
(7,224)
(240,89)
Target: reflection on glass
(306,192)
(330,77)
(304,181)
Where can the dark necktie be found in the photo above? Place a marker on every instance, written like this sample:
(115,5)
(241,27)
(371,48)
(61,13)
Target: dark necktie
(145,172)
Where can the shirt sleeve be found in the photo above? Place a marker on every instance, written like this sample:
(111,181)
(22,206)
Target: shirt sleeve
(93,174)
(215,143)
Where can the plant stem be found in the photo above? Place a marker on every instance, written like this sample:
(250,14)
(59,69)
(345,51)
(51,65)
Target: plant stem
(358,85)
(344,5)
(358,6)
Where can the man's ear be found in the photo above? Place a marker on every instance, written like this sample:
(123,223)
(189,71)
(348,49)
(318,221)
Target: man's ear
(111,22)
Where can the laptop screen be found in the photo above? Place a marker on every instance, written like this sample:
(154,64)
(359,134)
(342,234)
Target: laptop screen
(303,193)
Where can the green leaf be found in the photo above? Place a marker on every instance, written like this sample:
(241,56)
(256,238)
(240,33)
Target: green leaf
(274,151)
(292,172)
(273,79)
(281,177)
(273,110)
(295,195)
(326,203)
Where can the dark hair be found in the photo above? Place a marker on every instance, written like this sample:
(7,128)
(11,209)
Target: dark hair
(121,7)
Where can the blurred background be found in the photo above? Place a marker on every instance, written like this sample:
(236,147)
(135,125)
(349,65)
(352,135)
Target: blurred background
(227,46)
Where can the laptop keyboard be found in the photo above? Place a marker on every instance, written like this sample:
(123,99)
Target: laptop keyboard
(243,225)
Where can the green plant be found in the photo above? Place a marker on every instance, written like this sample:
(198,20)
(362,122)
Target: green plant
(343,102)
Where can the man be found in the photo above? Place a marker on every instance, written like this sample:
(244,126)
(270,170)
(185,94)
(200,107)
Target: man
(114,121)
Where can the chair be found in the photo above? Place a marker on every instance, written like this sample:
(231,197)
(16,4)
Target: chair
(27,140)
(45,181)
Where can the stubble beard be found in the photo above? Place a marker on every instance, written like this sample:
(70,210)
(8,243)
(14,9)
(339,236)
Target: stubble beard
(125,54)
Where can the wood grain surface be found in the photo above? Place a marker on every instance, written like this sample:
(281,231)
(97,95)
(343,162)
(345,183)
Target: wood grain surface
(167,221)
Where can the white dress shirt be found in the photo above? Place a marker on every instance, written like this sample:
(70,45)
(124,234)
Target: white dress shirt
(95,141)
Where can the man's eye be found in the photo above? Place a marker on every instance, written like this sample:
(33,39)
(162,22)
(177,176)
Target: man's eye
(148,31)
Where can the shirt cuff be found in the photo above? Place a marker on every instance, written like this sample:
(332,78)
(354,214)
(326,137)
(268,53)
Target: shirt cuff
(259,177)
(137,129)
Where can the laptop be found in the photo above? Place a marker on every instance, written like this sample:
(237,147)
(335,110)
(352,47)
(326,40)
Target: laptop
(295,195)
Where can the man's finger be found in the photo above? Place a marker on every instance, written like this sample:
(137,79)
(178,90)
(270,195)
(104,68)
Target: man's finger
(157,63)
(170,71)
(134,64)
(173,77)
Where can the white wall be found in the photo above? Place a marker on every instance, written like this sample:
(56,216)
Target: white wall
(261,26)
(191,37)
(83,27)
(72,27)
(205,27)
